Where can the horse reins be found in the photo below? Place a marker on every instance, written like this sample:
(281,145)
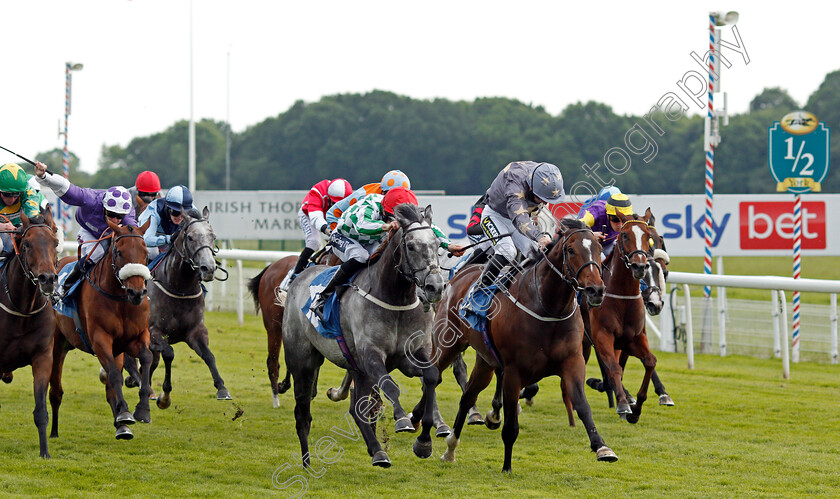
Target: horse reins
(27,272)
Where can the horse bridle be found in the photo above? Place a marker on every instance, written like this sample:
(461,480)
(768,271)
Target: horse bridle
(184,253)
(411,276)
(27,270)
(623,254)
(114,256)
(565,274)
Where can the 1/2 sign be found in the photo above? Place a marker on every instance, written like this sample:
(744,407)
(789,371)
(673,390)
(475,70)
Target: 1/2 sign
(798,152)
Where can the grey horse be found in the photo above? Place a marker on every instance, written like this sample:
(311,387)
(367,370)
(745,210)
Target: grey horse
(384,327)
(177,300)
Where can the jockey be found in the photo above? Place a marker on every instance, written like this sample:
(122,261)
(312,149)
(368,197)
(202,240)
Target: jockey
(94,207)
(393,178)
(514,197)
(166,215)
(359,233)
(603,195)
(16,197)
(146,189)
(601,217)
(315,205)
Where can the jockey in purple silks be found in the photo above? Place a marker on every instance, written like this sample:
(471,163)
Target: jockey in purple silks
(93,207)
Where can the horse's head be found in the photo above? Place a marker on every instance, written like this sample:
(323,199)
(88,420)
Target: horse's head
(659,252)
(633,243)
(578,254)
(196,243)
(37,244)
(419,247)
(128,259)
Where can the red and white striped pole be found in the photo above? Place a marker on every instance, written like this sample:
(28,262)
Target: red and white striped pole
(797,271)
(710,156)
(63,209)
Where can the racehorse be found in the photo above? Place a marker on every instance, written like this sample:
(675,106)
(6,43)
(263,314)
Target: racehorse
(533,333)
(619,324)
(384,328)
(268,299)
(27,323)
(177,300)
(652,297)
(113,313)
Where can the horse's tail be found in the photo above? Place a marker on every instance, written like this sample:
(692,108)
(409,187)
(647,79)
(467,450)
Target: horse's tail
(254,289)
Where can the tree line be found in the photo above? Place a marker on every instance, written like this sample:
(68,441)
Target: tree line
(460,146)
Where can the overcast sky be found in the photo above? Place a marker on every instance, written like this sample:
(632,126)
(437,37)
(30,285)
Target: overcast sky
(136,56)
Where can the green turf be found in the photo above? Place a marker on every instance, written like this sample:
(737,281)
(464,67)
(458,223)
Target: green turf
(738,429)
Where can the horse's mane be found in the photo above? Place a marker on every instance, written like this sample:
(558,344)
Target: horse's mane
(38,219)
(410,212)
(568,224)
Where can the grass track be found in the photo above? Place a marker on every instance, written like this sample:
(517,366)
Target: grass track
(738,430)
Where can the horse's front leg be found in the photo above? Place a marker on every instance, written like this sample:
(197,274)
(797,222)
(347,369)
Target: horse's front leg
(103,348)
(511,385)
(362,405)
(41,371)
(493,419)
(373,361)
(140,350)
(604,347)
(418,364)
(340,393)
(480,377)
(639,348)
(199,340)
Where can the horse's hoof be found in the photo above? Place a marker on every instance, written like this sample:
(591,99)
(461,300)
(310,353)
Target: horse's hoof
(381,459)
(595,384)
(153,395)
(529,402)
(143,416)
(606,454)
(474,418)
(103,376)
(275,400)
(443,430)
(124,418)
(665,399)
(123,433)
(7,378)
(632,418)
(491,421)
(403,425)
(422,449)
(451,444)
(131,383)
(223,394)
(283,386)
(332,394)
(631,400)
(624,408)
(164,401)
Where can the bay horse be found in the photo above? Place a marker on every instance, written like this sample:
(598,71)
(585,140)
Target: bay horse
(177,300)
(267,298)
(27,322)
(113,312)
(619,323)
(384,328)
(652,297)
(533,332)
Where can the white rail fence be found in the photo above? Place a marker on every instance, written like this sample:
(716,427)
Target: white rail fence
(747,327)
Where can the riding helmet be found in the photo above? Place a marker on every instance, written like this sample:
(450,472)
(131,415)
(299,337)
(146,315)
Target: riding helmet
(394,178)
(546,183)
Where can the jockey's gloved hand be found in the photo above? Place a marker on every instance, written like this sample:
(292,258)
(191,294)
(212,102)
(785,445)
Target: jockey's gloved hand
(325,229)
(175,233)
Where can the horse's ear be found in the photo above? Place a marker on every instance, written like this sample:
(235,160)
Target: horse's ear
(427,214)
(649,217)
(205,213)
(652,221)
(111,225)
(46,211)
(145,226)
(24,219)
(622,217)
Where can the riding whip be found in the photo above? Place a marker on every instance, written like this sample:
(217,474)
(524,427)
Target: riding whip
(24,158)
(492,238)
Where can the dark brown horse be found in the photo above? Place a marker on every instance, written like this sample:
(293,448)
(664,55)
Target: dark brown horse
(619,323)
(537,335)
(263,289)
(114,315)
(27,322)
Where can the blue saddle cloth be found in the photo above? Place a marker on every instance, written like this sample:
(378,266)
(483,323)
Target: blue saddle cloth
(476,303)
(331,325)
(156,260)
(68,305)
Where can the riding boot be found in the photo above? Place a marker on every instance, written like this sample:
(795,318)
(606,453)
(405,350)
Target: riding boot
(74,275)
(492,269)
(341,277)
(303,261)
